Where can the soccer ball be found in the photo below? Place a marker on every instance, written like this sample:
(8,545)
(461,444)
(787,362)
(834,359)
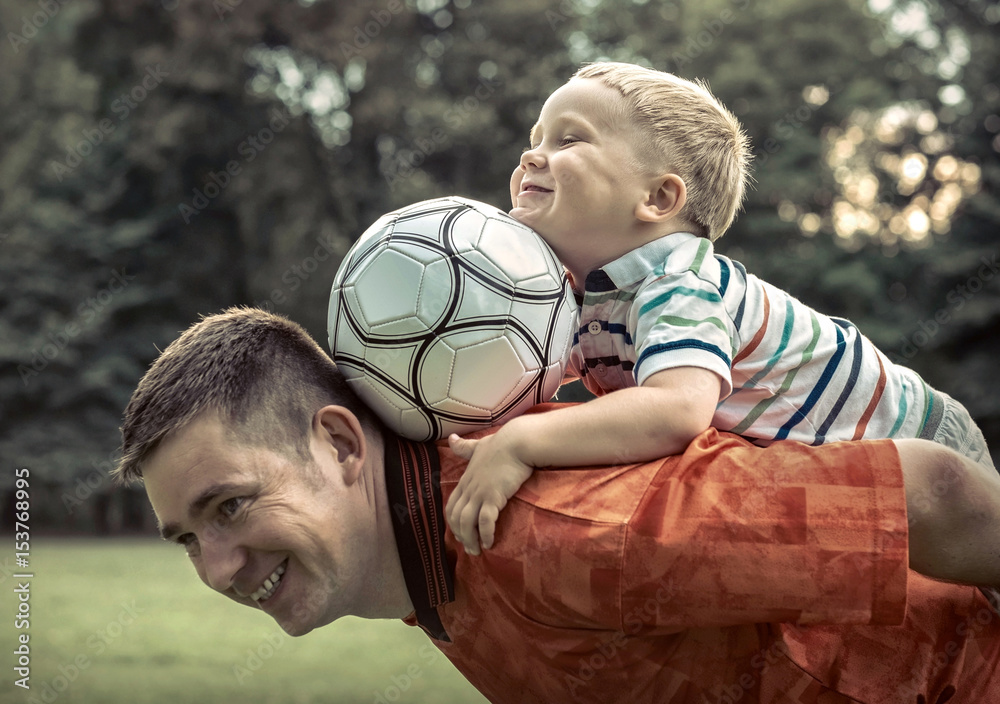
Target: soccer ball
(450,316)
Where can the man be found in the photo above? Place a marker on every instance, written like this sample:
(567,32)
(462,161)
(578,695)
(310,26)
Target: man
(729,573)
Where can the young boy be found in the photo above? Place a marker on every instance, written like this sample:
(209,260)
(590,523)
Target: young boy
(630,177)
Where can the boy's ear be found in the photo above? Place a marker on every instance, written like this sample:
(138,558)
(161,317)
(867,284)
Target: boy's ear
(664,201)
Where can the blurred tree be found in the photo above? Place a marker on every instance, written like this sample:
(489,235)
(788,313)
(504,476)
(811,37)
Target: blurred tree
(163,160)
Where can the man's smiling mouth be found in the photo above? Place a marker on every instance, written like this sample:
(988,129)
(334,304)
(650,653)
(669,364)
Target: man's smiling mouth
(266,590)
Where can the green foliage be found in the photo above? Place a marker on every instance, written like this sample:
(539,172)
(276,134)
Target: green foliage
(159,161)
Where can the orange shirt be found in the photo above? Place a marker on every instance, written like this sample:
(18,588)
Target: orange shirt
(731,573)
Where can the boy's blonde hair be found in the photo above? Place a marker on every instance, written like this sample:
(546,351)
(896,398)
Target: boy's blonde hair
(692,134)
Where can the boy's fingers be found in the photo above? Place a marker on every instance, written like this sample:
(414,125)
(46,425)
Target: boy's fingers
(487,525)
(462,447)
(449,505)
(467,532)
(453,510)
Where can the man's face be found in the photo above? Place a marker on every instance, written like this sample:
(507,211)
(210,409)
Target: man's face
(295,541)
(579,182)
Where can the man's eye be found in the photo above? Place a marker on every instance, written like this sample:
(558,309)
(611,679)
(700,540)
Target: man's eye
(229,507)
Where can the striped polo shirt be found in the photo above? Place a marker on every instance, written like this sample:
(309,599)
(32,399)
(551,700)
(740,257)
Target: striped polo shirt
(787,371)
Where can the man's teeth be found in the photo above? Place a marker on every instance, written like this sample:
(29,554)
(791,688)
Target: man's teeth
(270,584)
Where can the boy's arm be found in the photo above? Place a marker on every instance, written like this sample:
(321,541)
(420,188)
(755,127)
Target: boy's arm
(636,424)
(630,425)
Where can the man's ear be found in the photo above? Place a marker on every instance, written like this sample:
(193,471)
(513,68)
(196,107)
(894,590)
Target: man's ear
(664,200)
(339,433)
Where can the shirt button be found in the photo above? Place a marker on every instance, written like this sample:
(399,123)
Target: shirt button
(595,327)
(600,369)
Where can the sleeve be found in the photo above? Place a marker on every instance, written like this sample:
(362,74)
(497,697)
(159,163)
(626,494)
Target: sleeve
(737,534)
(572,372)
(680,320)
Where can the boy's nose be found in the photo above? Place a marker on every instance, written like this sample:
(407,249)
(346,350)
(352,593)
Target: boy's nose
(532,157)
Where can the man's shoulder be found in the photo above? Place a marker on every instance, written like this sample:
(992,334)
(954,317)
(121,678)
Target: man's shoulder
(599,495)
(606,494)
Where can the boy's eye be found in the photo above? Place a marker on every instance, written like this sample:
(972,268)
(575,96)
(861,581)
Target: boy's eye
(567,140)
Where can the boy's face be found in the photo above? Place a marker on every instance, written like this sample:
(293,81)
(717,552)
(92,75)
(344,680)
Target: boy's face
(579,183)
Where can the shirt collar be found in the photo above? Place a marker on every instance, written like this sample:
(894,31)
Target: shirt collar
(413,486)
(635,265)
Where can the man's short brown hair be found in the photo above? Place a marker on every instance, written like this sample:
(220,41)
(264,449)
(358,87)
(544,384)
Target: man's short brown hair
(263,374)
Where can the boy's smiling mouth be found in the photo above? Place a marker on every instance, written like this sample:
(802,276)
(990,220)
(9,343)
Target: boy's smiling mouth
(533,188)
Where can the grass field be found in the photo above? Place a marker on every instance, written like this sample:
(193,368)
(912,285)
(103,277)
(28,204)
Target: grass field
(128,621)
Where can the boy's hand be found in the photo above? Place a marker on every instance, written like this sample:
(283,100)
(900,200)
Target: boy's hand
(494,474)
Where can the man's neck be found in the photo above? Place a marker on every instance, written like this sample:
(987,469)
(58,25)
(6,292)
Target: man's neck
(421,575)
(389,597)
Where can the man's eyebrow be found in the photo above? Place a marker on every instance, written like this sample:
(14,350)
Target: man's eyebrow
(168,530)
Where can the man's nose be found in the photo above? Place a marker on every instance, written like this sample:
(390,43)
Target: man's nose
(221,558)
